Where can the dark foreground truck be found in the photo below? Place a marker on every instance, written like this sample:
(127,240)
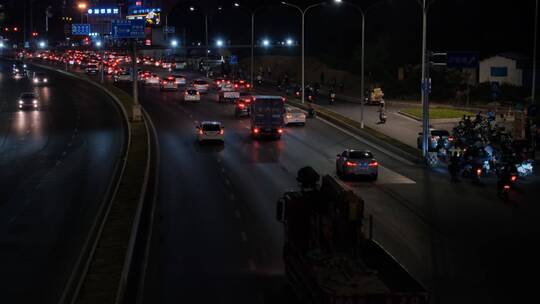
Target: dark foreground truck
(328,259)
(267,116)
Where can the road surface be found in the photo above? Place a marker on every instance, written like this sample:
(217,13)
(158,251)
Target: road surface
(56,166)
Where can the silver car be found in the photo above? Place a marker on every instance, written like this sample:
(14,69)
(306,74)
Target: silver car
(357,163)
(28,100)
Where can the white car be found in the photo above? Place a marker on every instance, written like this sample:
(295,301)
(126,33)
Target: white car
(179,79)
(294,116)
(192,95)
(210,131)
(152,80)
(201,85)
(181,65)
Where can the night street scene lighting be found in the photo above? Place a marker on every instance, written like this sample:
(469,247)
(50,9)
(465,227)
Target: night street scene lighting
(268,151)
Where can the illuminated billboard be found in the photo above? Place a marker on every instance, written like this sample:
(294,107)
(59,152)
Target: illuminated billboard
(151,15)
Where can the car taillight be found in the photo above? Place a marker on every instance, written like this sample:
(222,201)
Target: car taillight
(350,164)
(248,85)
(221,132)
(256,130)
(506,187)
(236,86)
(451,138)
(280,131)
(241,105)
(201,132)
(373,163)
(513,178)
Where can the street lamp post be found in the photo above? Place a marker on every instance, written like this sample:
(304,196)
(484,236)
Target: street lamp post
(252,60)
(82,7)
(303,13)
(533,96)
(363,13)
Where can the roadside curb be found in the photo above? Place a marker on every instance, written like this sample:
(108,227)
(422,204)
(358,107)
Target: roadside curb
(101,272)
(409,116)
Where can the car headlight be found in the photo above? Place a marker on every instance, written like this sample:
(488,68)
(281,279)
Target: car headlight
(34,101)
(44,79)
(24,66)
(36,80)
(20,101)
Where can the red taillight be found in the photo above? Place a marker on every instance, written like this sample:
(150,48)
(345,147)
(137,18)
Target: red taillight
(513,178)
(241,105)
(350,164)
(198,93)
(236,86)
(248,85)
(201,132)
(373,163)
(221,132)
(478,172)
(280,131)
(506,187)
(256,130)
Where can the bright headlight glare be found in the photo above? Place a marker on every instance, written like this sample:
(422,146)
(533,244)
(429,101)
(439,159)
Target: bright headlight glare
(34,101)
(20,101)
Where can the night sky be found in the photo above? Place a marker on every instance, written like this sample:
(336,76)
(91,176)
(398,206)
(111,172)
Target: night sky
(485,26)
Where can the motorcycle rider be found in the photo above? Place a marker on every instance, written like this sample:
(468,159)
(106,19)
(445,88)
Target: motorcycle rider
(331,95)
(505,179)
(382,115)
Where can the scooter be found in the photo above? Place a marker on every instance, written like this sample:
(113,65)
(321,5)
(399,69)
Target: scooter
(382,117)
(332,98)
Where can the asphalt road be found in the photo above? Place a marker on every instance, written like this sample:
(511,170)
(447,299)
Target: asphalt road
(56,165)
(215,238)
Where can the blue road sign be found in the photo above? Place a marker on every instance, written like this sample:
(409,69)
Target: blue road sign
(80,29)
(462,59)
(128,29)
(233,59)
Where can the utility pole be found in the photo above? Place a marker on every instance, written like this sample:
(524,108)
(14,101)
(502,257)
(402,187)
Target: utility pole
(533,96)
(424,92)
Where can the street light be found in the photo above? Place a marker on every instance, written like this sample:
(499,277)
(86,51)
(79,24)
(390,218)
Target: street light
(174,43)
(82,7)
(363,13)
(303,13)
(266,42)
(289,42)
(219,43)
(42,44)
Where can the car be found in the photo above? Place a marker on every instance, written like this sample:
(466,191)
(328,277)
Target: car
(179,79)
(201,85)
(122,76)
(91,69)
(241,85)
(294,116)
(191,94)
(168,84)
(433,139)
(220,81)
(19,75)
(142,75)
(357,162)
(28,100)
(242,106)
(210,131)
(153,79)
(166,64)
(40,78)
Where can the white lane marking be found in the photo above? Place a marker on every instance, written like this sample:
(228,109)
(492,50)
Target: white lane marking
(237,214)
(391,154)
(244,236)
(252,266)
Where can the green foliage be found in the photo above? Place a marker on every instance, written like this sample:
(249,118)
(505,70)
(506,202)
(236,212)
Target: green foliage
(436,113)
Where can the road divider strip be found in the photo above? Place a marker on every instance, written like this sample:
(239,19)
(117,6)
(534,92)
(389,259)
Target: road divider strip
(104,267)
